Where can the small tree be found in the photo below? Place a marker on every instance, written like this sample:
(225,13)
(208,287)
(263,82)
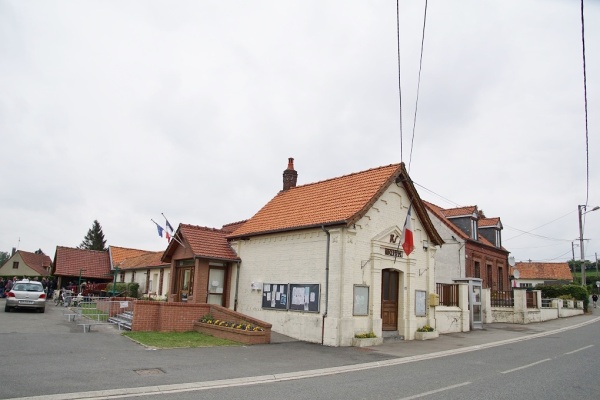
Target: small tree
(4,256)
(94,240)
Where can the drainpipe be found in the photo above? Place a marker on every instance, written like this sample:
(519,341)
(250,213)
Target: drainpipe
(326,283)
(237,285)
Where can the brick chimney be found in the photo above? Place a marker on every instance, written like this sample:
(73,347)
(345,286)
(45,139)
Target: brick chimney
(290,176)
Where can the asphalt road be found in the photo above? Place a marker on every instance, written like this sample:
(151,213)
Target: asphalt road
(46,355)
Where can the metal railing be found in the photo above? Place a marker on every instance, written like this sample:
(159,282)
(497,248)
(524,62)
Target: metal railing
(531,298)
(448,293)
(502,298)
(546,303)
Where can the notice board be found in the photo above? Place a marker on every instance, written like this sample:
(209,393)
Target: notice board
(275,296)
(304,297)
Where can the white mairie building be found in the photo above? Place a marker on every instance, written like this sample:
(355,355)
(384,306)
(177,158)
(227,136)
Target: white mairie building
(322,262)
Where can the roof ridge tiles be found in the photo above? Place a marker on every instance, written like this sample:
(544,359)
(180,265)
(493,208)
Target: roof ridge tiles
(341,177)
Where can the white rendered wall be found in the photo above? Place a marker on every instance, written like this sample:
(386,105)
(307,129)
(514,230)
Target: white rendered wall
(356,257)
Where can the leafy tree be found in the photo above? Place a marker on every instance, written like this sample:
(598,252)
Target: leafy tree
(4,256)
(94,240)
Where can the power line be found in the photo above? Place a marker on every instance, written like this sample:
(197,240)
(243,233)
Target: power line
(418,86)
(399,86)
(587,154)
(531,230)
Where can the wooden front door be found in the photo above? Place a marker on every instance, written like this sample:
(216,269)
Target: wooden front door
(389,299)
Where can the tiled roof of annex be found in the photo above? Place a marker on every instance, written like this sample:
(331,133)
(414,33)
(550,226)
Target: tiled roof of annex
(207,242)
(151,259)
(340,200)
(119,254)
(89,263)
(548,271)
(38,262)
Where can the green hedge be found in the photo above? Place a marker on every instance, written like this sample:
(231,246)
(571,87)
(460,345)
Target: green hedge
(129,289)
(574,291)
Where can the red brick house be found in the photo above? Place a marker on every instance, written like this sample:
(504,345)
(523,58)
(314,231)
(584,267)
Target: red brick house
(473,247)
(202,264)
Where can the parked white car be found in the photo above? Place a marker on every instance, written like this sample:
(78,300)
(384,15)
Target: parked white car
(26,294)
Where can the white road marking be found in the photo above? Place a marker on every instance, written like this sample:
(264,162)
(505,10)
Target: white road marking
(583,348)
(525,366)
(253,380)
(416,396)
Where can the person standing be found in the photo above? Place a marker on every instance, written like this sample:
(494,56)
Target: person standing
(594,299)
(2,288)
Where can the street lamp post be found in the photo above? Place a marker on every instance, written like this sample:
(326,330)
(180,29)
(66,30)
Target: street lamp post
(581,211)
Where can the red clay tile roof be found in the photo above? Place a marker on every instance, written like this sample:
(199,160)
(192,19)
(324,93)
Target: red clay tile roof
(229,228)
(204,242)
(441,214)
(118,254)
(40,263)
(337,201)
(69,261)
(459,211)
(485,222)
(546,271)
(151,259)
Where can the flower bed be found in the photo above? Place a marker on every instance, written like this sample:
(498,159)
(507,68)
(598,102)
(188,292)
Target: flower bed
(238,331)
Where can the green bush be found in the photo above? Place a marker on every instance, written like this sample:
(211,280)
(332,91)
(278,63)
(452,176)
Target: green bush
(129,289)
(365,335)
(565,292)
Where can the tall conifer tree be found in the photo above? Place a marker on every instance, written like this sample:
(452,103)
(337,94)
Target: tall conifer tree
(94,240)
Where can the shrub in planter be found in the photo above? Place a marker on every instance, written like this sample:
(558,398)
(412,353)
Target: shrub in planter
(244,326)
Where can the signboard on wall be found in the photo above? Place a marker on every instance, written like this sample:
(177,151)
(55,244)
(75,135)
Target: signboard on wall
(275,296)
(420,303)
(304,297)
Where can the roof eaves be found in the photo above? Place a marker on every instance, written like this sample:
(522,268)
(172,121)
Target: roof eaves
(289,229)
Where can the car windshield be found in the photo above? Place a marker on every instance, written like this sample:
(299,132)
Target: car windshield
(27,287)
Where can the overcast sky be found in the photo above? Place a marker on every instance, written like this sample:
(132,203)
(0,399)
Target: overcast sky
(122,110)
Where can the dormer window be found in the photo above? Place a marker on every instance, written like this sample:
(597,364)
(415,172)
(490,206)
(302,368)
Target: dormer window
(498,238)
(474,235)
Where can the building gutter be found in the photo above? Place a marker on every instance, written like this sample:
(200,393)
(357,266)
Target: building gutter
(237,285)
(326,283)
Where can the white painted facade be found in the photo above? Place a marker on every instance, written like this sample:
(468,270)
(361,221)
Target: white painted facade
(140,279)
(450,257)
(356,257)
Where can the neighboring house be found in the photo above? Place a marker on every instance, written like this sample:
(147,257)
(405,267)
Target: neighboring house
(473,247)
(532,274)
(202,265)
(322,262)
(73,265)
(23,263)
(148,271)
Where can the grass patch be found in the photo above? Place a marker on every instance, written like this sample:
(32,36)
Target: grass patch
(165,340)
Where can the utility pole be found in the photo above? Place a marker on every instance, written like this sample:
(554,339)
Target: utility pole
(580,209)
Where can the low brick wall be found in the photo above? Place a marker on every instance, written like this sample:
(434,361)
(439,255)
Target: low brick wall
(184,317)
(238,335)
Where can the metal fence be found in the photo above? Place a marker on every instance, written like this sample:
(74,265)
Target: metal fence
(448,293)
(531,298)
(502,298)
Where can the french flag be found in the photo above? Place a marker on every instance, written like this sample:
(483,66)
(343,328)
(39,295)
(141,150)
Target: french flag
(408,243)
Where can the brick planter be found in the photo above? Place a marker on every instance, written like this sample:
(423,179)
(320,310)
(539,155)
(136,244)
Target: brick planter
(238,335)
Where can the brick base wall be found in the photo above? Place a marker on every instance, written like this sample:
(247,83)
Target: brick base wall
(181,317)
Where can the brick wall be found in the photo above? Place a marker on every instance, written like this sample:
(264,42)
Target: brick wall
(180,317)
